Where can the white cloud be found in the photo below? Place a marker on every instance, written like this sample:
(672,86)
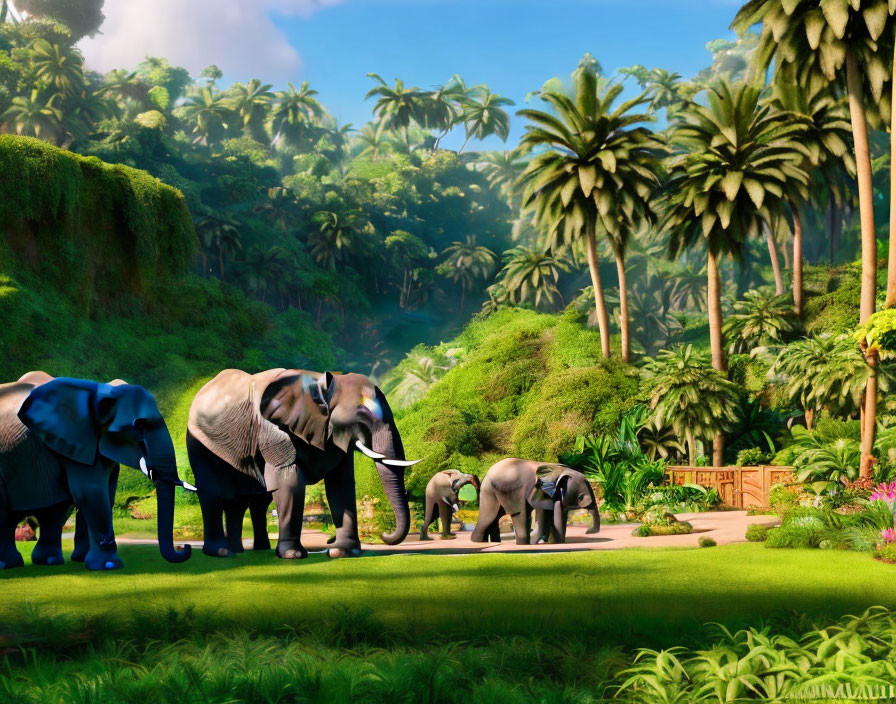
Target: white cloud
(239,36)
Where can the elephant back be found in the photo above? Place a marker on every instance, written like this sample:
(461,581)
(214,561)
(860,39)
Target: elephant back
(225,416)
(30,475)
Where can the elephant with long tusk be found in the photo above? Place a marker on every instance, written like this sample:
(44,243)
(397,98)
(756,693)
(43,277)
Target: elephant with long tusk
(253,436)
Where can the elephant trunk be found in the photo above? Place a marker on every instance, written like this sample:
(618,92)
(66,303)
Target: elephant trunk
(595,513)
(165,497)
(387,441)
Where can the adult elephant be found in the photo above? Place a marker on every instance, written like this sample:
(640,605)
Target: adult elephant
(59,443)
(279,431)
(442,493)
(517,487)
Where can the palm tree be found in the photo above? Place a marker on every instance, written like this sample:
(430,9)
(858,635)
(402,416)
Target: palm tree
(759,320)
(222,232)
(372,141)
(61,67)
(483,116)
(34,116)
(264,269)
(208,112)
(727,185)
(293,111)
(502,171)
(335,235)
(663,90)
(826,137)
(688,395)
(396,107)
(595,175)
(838,40)
(465,262)
(531,275)
(251,102)
(441,109)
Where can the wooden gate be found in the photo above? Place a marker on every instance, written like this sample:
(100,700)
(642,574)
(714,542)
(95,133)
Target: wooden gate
(739,487)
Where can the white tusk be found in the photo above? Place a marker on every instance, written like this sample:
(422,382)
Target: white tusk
(456,508)
(188,486)
(401,463)
(143,467)
(367,451)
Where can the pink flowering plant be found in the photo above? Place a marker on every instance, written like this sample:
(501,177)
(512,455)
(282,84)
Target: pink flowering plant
(887,493)
(888,535)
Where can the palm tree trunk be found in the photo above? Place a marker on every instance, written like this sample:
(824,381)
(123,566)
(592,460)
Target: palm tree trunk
(797,263)
(463,146)
(463,296)
(810,417)
(891,262)
(714,304)
(623,306)
(599,304)
(3,9)
(776,265)
(220,261)
(869,242)
(692,447)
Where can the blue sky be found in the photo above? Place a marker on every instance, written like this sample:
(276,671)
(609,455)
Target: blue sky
(512,45)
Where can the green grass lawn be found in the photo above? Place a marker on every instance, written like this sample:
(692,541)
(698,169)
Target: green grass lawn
(399,612)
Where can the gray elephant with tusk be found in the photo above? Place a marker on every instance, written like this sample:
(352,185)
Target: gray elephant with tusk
(441,500)
(516,487)
(250,436)
(61,442)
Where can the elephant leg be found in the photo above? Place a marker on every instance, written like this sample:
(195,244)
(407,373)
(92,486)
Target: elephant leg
(445,514)
(340,487)
(520,516)
(428,518)
(89,487)
(559,528)
(543,521)
(290,501)
(9,556)
(48,550)
(258,511)
(214,541)
(82,539)
(489,512)
(234,512)
(494,530)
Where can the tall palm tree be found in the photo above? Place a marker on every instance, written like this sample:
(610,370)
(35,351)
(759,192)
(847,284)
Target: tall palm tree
(335,236)
(293,111)
(530,275)
(264,269)
(663,90)
(252,102)
(484,116)
(396,107)
(595,175)
(442,108)
(34,116)
(827,139)
(726,185)
(759,320)
(502,171)
(208,111)
(688,395)
(61,67)
(842,41)
(370,141)
(221,231)
(465,262)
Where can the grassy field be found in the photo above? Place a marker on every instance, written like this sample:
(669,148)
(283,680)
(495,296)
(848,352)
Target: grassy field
(579,612)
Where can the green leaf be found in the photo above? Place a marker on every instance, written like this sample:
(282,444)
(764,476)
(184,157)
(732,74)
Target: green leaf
(815,24)
(876,18)
(587,178)
(836,12)
(731,184)
(756,192)
(608,159)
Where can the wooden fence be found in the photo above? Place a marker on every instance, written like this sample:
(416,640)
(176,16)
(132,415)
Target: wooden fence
(739,487)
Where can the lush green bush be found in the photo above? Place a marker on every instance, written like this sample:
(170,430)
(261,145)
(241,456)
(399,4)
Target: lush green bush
(646,530)
(757,533)
(781,497)
(809,527)
(679,498)
(706,542)
(528,385)
(751,456)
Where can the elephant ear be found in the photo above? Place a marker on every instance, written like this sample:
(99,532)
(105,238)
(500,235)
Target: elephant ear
(546,491)
(61,414)
(123,411)
(299,402)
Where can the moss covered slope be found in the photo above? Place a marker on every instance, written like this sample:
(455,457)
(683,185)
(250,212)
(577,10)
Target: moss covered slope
(95,283)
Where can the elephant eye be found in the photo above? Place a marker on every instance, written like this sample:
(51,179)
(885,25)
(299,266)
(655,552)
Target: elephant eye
(581,497)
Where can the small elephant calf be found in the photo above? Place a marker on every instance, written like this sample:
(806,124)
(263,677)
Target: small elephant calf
(441,495)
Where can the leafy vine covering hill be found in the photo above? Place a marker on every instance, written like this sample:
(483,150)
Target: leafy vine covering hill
(527,385)
(94,284)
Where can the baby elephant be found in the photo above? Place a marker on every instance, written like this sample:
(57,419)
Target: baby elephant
(517,487)
(441,496)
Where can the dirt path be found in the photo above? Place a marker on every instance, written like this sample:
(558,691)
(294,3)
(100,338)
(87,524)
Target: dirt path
(722,526)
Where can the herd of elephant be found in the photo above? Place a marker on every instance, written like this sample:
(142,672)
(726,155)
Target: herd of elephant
(250,438)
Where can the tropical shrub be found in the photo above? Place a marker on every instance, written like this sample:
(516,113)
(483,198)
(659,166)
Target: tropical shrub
(757,533)
(646,530)
(680,498)
(706,542)
(759,320)
(781,497)
(751,456)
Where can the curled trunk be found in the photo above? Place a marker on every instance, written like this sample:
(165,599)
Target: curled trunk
(595,513)
(165,497)
(388,442)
